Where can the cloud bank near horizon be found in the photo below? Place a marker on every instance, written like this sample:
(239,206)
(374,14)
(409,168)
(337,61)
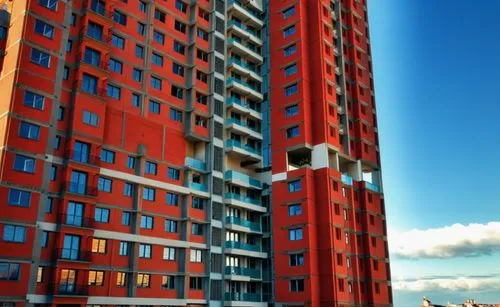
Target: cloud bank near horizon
(457,240)
(459,284)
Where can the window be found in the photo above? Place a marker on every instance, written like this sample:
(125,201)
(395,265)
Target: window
(202,55)
(117,41)
(39,274)
(72,20)
(48,205)
(123,248)
(102,215)
(107,156)
(125,218)
(136,100)
(60,113)
(144,250)
(24,164)
(50,4)
(127,189)
(172,199)
(29,131)
(290,70)
(201,76)
(295,234)
(179,48)
(168,282)
(90,118)
(96,278)
(142,6)
(197,203)
(81,152)
(294,186)
(288,51)
(130,162)
(98,6)
(57,142)
(148,194)
(179,26)
(292,110)
(295,209)
(99,246)
(297,285)
(170,226)
(139,51)
(66,73)
(69,45)
(13,233)
(19,198)
(104,185)
(290,90)
(9,271)
(92,57)
(203,14)
(195,255)
(146,222)
(53,172)
(137,74)
(196,283)
(202,34)
(120,18)
(168,253)
(296,259)
(292,132)
(121,279)
(377,288)
(157,59)
(33,100)
(95,30)
(156,83)
(40,58)
(89,84)
(289,12)
(200,121)
(115,66)
(143,280)
(154,107)
(173,173)
(175,115)
(289,31)
(178,69)
(181,6)
(160,16)
(45,239)
(150,168)
(202,99)
(3,32)
(44,29)
(159,37)
(113,92)
(196,229)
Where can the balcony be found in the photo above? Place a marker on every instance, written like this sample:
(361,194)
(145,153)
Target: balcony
(244,88)
(245,31)
(244,107)
(372,187)
(234,220)
(242,12)
(252,273)
(198,186)
(243,150)
(245,49)
(346,179)
(242,179)
(244,68)
(77,221)
(244,128)
(242,245)
(244,297)
(83,157)
(67,254)
(195,164)
(69,289)
(80,189)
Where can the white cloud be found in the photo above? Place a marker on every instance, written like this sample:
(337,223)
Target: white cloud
(457,240)
(449,284)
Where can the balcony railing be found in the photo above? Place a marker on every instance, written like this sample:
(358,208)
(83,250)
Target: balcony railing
(244,65)
(242,198)
(77,221)
(372,187)
(232,80)
(242,222)
(235,270)
(245,297)
(238,122)
(74,254)
(198,186)
(235,143)
(80,188)
(243,27)
(70,289)
(346,179)
(233,100)
(238,3)
(195,163)
(234,175)
(81,157)
(242,245)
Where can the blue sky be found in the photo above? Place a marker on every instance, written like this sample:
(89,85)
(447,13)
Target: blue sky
(437,77)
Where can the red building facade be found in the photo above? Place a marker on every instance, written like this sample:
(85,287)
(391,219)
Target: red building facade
(329,233)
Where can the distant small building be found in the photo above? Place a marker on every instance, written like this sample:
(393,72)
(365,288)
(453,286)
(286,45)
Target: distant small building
(426,302)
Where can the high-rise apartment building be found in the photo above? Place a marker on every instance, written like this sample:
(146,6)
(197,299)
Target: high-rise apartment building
(189,153)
